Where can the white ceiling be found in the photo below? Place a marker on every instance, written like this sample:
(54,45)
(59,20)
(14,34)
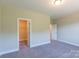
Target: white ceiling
(45,6)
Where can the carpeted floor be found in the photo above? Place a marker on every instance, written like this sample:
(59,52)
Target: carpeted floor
(54,50)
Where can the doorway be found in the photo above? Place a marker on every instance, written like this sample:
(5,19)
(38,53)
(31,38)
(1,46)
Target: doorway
(53,32)
(23,33)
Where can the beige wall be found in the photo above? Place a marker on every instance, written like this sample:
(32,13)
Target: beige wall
(9,20)
(9,31)
(68,29)
(0,20)
(51,20)
(0,28)
(40,23)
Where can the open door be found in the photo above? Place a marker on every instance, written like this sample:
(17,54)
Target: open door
(24,32)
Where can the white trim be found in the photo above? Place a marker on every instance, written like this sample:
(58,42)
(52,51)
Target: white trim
(69,43)
(9,52)
(39,44)
(29,20)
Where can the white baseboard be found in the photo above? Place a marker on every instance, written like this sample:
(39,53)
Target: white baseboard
(6,52)
(68,42)
(39,44)
(39,38)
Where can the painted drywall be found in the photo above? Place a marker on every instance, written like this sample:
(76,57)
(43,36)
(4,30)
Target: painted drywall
(40,27)
(9,33)
(40,22)
(0,30)
(0,20)
(68,29)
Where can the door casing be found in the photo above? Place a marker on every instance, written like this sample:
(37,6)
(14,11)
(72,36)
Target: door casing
(29,28)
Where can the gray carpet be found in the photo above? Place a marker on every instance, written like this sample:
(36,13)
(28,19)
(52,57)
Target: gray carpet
(54,50)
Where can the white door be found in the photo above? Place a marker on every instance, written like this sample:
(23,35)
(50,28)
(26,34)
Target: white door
(54,32)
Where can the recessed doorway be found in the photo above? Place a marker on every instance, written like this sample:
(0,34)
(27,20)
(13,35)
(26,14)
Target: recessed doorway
(24,32)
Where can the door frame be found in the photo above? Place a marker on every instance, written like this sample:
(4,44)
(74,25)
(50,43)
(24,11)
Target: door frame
(30,30)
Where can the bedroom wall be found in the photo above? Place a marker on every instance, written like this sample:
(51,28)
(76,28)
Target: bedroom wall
(9,31)
(68,29)
(0,29)
(40,28)
(0,20)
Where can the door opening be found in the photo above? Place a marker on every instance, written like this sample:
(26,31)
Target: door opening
(24,33)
